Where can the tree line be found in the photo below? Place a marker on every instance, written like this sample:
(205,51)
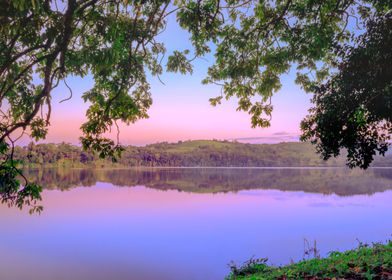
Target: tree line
(201,153)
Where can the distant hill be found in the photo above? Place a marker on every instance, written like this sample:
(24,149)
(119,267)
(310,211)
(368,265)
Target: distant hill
(203,153)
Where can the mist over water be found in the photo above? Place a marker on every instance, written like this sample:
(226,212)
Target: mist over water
(188,223)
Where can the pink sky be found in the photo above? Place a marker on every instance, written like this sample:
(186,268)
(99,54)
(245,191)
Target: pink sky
(181,111)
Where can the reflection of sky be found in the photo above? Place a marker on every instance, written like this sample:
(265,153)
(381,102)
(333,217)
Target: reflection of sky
(181,110)
(139,233)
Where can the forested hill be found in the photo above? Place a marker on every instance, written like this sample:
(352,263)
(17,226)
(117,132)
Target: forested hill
(187,154)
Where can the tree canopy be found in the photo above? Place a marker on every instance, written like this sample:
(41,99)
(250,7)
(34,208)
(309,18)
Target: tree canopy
(254,43)
(353,109)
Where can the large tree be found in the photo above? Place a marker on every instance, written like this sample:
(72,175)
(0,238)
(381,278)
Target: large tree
(353,109)
(42,42)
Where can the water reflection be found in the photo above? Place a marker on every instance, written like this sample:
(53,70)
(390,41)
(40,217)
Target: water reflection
(204,219)
(343,182)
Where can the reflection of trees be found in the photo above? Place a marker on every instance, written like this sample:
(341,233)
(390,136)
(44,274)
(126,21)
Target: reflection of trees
(199,180)
(385,173)
(62,179)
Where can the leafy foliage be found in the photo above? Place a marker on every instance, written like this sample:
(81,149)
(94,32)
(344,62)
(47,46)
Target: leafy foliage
(353,109)
(10,191)
(251,266)
(365,262)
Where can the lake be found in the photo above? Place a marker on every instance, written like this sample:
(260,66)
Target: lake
(188,223)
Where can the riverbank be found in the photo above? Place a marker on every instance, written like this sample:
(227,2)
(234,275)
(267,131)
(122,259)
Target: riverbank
(364,262)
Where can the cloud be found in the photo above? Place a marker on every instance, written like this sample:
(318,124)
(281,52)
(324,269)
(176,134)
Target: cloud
(282,133)
(274,138)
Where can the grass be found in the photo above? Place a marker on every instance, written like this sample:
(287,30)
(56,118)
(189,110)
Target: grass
(364,262)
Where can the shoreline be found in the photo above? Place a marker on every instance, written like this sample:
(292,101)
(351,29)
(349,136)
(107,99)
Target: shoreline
(203,167)
(363,262)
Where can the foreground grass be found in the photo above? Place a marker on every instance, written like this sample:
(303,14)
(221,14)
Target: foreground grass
(365,262)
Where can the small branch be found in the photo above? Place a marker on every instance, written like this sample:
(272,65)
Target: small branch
(70,92)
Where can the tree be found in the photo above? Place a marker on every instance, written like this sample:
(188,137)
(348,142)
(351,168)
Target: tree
(254,42)
(353,109)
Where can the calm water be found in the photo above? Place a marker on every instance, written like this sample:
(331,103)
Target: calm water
(188,223)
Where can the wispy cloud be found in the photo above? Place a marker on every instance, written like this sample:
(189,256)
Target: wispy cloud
(276,137)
